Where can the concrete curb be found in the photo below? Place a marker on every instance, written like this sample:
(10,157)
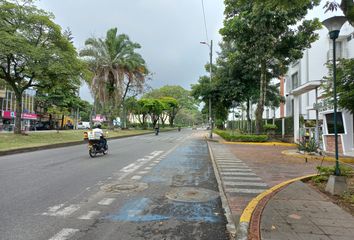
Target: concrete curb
(245,219)
(318,158)
(231,228)
(59,145)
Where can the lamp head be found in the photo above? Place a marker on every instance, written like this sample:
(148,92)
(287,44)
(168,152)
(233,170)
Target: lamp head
(334,24)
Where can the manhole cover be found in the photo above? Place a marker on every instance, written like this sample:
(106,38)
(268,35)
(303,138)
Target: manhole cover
(124,187)
(191,194)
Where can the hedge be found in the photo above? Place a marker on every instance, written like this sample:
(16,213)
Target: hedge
(240,137)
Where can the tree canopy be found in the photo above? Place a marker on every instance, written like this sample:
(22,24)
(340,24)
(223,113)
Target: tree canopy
(33,51)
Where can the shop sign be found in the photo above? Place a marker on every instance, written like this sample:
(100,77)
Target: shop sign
(9,115)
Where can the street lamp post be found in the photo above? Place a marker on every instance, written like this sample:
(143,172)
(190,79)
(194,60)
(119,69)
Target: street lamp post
(211,63)
(334,24)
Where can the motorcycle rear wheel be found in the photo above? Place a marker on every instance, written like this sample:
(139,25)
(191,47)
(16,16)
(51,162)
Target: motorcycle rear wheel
(92,153)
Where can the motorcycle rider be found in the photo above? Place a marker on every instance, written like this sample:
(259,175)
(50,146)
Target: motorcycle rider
(97,131)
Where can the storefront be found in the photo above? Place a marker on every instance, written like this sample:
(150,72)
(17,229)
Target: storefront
(28,120)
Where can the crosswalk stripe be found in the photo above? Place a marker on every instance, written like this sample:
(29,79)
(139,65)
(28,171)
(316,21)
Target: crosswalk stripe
(64,234)
(243,190)
(242,178)
(238,173)
(235,170)
(256,184)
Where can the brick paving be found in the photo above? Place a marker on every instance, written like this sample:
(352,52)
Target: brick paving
(267,165)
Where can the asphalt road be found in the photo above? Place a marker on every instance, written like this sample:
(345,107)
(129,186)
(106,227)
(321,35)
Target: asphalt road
(147,187)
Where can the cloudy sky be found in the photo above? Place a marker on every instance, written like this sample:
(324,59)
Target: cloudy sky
(169,31)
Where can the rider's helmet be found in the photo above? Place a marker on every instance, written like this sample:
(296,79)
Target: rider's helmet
(97,125)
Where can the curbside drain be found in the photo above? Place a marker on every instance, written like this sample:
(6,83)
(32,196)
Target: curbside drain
(191,194)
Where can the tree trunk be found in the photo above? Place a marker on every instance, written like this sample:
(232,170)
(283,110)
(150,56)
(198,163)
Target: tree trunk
(261,101)
(249,122)
(18,112)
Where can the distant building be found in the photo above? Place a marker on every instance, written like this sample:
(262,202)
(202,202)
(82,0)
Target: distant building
(8,109)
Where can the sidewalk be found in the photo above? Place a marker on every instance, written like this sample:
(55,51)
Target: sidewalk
(245,171)
(298,212)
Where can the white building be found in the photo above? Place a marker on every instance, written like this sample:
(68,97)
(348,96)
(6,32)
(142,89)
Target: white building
(303,80)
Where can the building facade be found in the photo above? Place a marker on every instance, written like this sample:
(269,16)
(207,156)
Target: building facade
(304,96)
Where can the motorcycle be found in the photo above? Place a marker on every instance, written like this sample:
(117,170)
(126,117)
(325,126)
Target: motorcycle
(157,130)
(96,146)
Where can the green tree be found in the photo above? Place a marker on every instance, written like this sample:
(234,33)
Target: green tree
(268,40)
(170,107)
(117,69)
(347,6)
(33,51)
(345,84)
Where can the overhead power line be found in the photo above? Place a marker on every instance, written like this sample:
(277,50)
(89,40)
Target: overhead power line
(205,25)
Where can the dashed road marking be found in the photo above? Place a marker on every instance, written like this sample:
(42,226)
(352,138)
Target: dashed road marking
(89,215)
(148,168)
(106,201)
(136,177)
(143,172)
(55,211)
(64,234)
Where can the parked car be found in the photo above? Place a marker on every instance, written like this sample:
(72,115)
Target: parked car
(84,125)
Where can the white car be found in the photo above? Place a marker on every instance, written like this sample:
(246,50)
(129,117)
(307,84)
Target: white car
(83,125)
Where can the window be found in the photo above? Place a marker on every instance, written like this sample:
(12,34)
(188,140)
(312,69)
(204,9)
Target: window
(330,123)
(295,80)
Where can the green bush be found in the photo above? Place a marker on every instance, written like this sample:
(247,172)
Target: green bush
(325,172)
(270,127)
(310,146)
(240,137)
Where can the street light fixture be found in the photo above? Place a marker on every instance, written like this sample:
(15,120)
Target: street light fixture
(211,63)
(334,24)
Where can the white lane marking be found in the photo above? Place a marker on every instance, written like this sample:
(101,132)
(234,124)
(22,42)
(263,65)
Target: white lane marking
(55,208)
(240,190)
(257,184)
(54,211)
(89,215)
(238,173)
(67,211)
(156,161)
(148,168)
(143,172)
(106,201)
(243,178)
(136,177)
(64,234)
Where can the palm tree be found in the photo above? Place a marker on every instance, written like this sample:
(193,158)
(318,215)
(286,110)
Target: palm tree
(117,69)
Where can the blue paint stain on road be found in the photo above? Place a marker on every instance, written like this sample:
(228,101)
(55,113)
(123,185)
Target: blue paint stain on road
(134,212)
(187,161)
(138,211)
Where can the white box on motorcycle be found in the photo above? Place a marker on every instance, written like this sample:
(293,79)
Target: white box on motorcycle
(94,136)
